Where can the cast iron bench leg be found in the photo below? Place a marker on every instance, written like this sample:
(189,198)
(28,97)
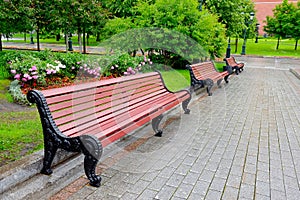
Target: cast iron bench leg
(92,149)
(226,78)
(155,124)
(219,83)
(209,84)
(185,104)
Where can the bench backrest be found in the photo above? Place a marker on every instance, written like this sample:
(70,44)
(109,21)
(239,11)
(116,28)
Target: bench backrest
(203,70)
(97,107)
(230,61)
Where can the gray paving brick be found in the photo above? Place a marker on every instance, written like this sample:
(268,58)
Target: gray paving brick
(277,195)
(166,192)
(263,188)
(175,180)
(157,183)
(230,193)
(147,195)
(213,194)
(201,187)
(191,178)
(246,191)
(183,191)
(139,187)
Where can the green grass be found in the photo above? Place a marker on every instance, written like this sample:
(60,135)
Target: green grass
(4,95)
(267,47)
(176,80)
(20,134)
(51,40)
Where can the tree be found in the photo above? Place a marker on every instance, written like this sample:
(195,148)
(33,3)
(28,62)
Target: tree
(296,23)
(281,24)
(234,14)
(173,15)
(14,17)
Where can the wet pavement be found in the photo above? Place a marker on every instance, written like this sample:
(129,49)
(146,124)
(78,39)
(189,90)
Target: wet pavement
(243,142)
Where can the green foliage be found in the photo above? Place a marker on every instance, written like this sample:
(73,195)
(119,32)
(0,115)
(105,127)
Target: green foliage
(285,22)
(234,14)
(16,93)
(181,29)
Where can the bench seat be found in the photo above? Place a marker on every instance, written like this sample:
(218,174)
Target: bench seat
(89,116)
(205,74)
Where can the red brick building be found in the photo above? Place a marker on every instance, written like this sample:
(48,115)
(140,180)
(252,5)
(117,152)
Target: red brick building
(265,8)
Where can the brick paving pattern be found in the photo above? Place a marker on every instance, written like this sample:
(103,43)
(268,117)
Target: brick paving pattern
(243,142)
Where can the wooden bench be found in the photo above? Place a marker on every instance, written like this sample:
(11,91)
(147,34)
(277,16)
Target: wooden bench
(89,116)
(205,74)
(237,67)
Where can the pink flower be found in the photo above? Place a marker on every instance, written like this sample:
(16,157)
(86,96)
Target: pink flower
(17,76)
(29,77)
(112,67)
(129,69)
(24,79)
(35,77)
(34,73)
(126,73)
(145,59)
(48,71)
(13,71)
(33,68)
(150,63)
(73,68)
(25,75)
(78,63)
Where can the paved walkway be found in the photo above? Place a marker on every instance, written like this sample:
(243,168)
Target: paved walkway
(241,143)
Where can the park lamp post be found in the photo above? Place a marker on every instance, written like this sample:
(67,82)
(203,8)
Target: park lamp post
(228,49)
(245,33)
(257,28)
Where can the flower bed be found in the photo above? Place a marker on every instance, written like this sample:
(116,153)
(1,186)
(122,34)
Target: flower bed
(44,70)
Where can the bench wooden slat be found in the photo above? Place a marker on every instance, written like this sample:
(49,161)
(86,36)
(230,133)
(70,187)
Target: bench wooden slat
(116,115)
(116,110)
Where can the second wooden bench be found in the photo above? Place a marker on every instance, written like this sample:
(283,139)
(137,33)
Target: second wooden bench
(205,74)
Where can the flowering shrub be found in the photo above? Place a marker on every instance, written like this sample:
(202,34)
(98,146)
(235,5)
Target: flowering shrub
(32,70)
(128,65)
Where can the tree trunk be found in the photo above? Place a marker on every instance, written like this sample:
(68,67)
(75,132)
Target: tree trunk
(57,37)
(24,37)
(38,39)
(296,44)
(0,42)
(98,37)
(66,41)
(84,46)
(87,38)
(79,41)
(278,43)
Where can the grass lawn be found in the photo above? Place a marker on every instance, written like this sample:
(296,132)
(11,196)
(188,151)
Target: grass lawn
(20,134)
(267,47)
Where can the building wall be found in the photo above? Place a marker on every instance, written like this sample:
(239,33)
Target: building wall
(265,8)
